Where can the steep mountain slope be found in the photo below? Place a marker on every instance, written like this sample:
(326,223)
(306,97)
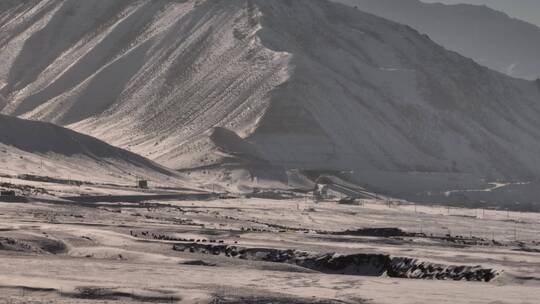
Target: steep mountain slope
(490,37)
(30,147)
(304,84)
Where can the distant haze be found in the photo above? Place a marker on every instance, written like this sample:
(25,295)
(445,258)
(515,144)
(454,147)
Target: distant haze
(527,10)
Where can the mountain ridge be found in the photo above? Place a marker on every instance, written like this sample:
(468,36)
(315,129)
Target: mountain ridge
(490,37)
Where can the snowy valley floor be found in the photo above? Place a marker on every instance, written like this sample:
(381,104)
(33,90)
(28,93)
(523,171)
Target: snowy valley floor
(124,252)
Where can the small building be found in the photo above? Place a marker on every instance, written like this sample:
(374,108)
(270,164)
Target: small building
(11,196)
(143,184)
(7,193)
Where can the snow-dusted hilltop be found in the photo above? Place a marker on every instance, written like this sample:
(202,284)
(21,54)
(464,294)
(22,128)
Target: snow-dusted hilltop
(490,37)
(43,149)
(304,84)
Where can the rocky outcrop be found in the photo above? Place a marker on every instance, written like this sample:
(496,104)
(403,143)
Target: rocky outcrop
(31,244)
(374,232)
(351,264)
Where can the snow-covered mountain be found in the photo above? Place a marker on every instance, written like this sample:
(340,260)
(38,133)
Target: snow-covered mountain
(306,84)
(490,37)
(44,149)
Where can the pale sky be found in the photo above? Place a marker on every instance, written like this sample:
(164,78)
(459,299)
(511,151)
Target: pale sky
(527,10)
